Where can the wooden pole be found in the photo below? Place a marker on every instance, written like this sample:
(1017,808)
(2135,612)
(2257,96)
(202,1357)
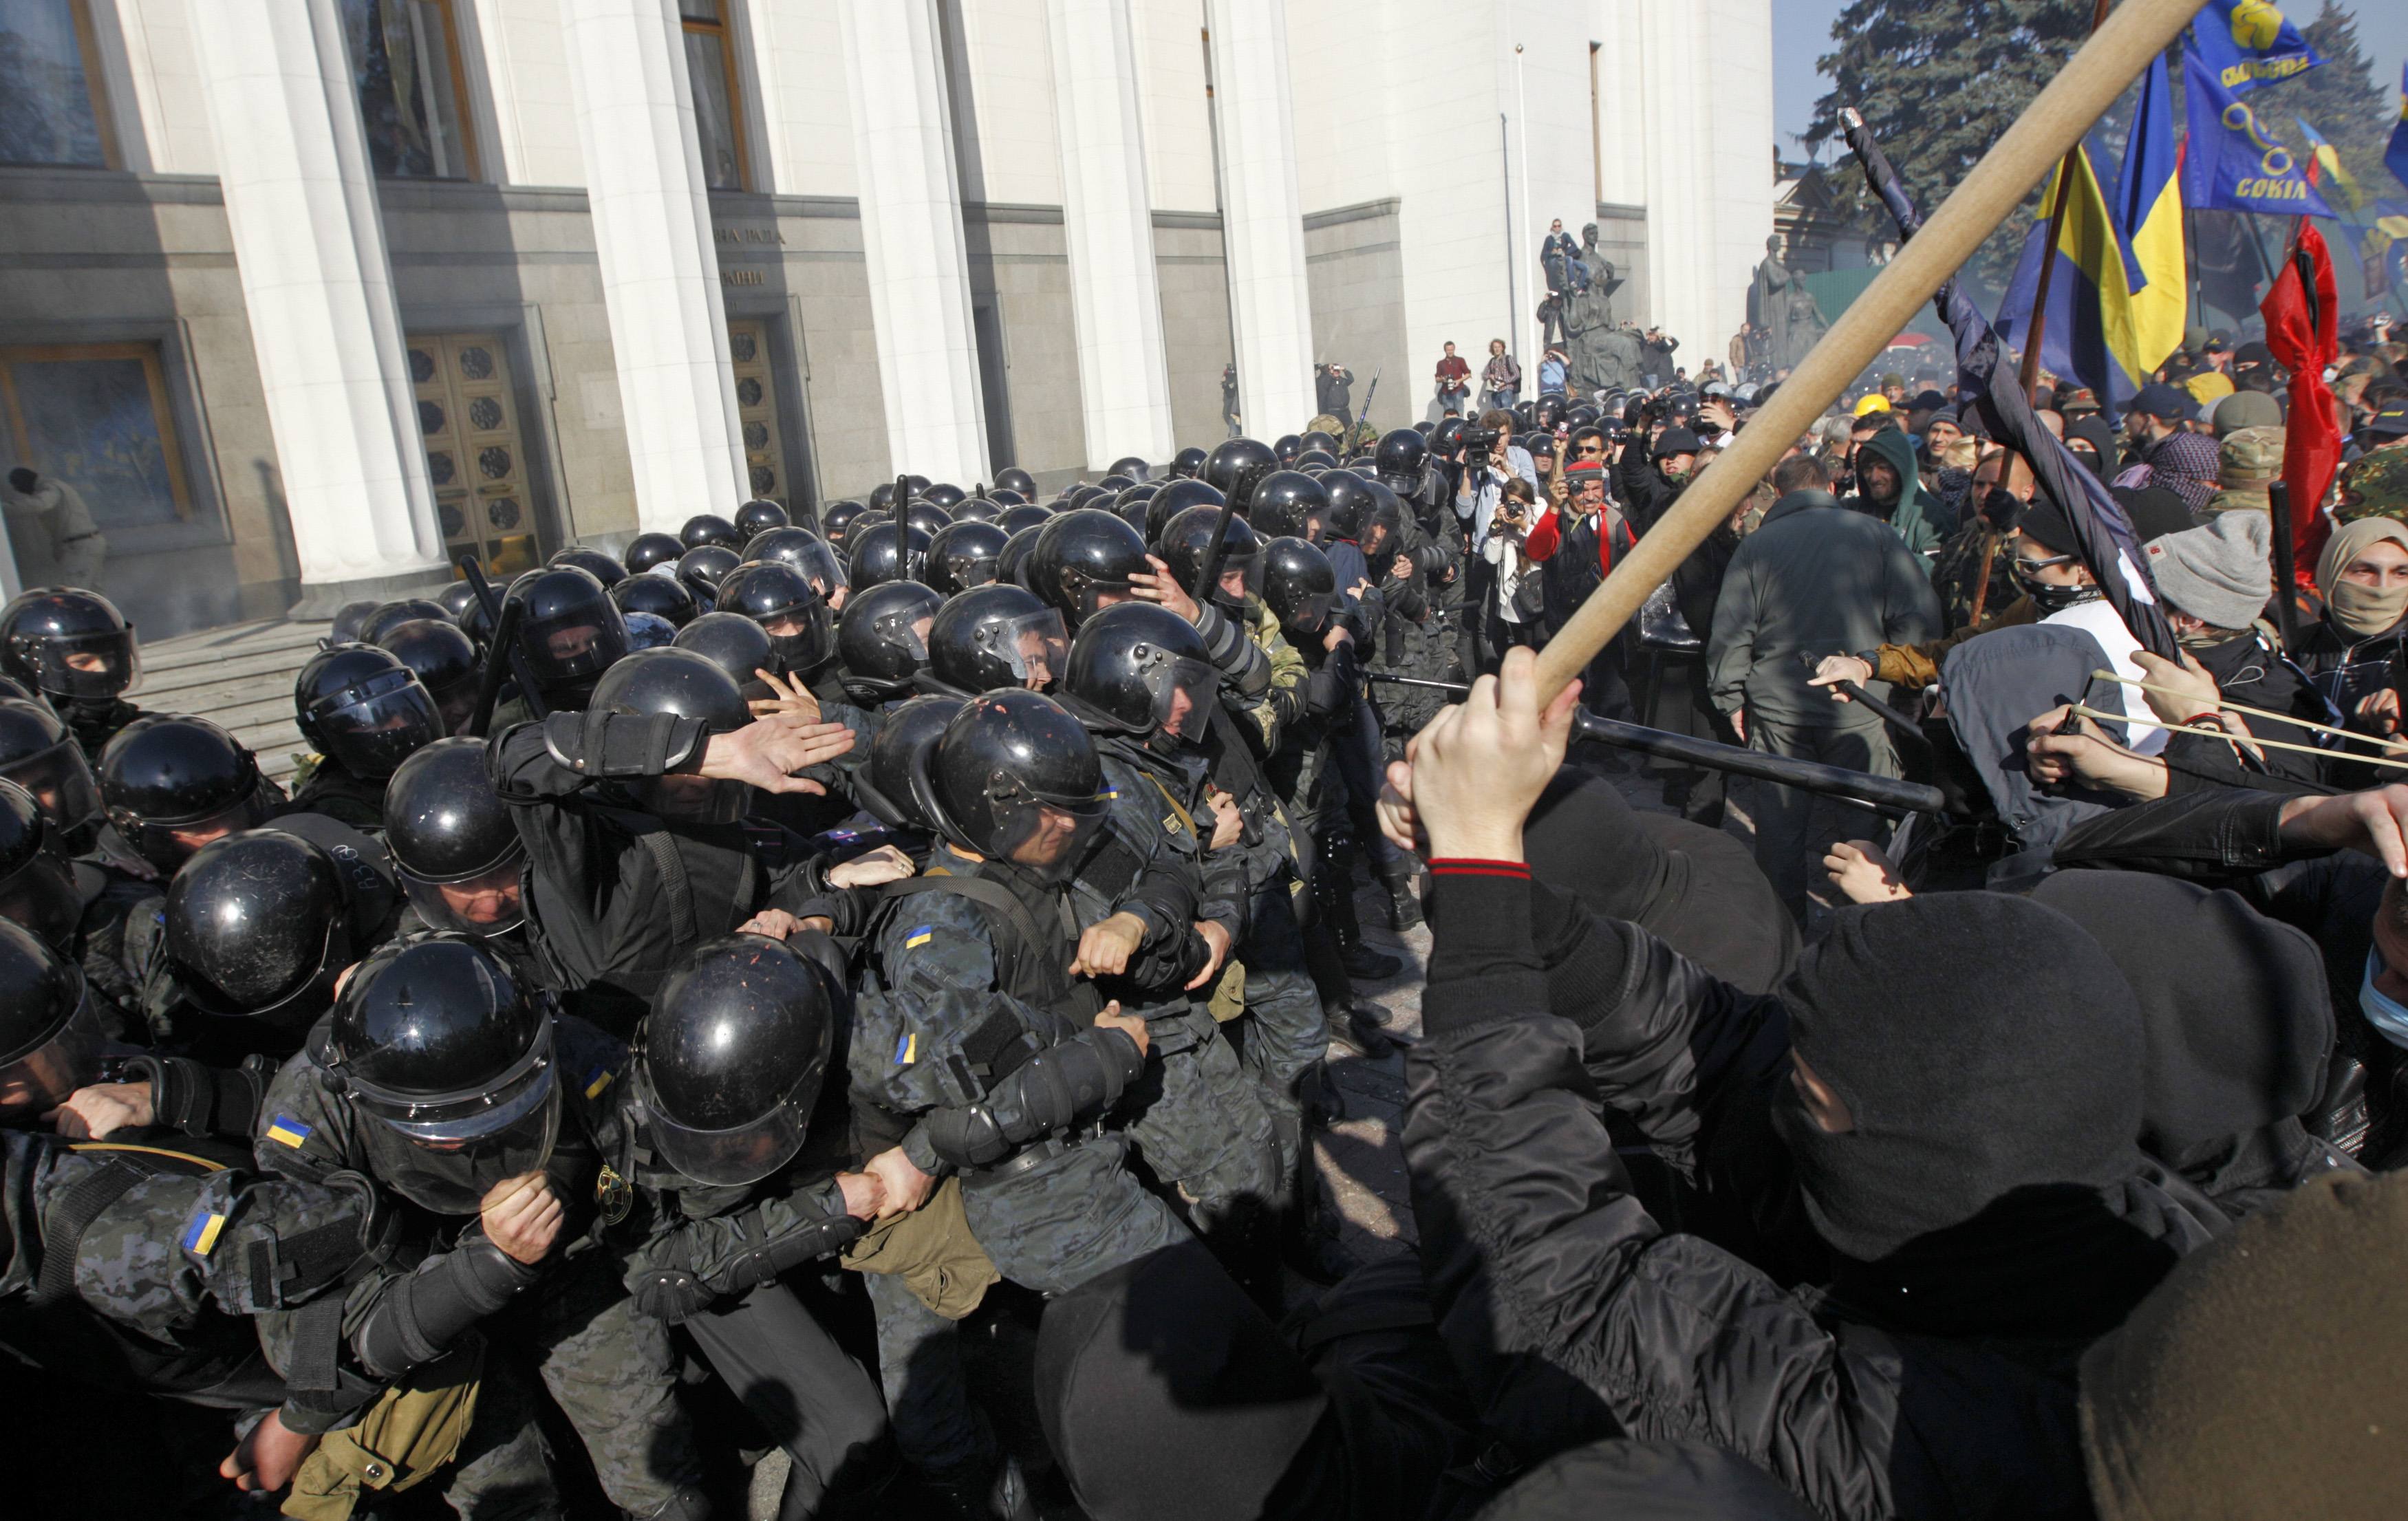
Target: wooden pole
(2029,376)
(2091,79)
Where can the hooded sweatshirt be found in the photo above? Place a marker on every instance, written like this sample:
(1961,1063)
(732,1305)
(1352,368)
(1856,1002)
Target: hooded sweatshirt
(1914,515)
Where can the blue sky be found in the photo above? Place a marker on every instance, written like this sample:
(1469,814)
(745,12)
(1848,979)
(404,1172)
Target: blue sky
(1801,32)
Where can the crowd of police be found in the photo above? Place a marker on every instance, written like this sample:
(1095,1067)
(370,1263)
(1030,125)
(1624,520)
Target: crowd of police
(955,889)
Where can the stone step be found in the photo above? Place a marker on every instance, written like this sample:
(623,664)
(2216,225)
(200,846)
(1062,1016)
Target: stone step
(241,677)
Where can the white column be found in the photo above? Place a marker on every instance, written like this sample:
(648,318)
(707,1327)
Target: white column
(911,236)
(1261,216)
(301,205)
(1123,374)
(660,273)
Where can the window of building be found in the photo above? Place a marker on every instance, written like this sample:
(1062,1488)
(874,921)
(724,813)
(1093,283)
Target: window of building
(718,101)
(413,94)
(94,418)
(51,109)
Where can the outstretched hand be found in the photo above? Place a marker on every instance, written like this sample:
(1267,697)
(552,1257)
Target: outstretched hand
(1480,764)
(767,751)
(1160,586)
(2372,823)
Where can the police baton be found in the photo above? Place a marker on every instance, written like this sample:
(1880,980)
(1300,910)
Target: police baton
(2287,568)
(1208,571)
(1363,413)
(1888,795)
(489,684)
(2133,34)
(474,573)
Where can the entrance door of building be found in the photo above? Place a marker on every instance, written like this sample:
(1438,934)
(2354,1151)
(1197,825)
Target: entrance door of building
(756,411)
(474,450)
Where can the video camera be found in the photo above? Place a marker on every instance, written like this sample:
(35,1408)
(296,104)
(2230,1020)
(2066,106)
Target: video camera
(1477,441)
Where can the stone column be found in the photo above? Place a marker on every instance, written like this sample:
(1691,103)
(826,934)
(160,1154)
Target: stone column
(308,243)
(660,271)
(1262,216)
(1123,375)
(911,236)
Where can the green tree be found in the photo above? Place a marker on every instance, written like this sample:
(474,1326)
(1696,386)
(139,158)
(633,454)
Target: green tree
(1937,84)
(2341,99)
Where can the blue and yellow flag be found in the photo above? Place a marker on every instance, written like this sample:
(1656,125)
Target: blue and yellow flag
(2232,160)
(2249,43)
(2117,298)
(2324,161)
(2396,154)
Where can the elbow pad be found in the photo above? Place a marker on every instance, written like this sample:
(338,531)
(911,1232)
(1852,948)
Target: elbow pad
(424,1313)
(775,1258)
(202,1100)
(1058,1088)
(594,743)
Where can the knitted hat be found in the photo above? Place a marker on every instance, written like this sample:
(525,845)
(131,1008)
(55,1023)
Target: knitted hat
(2217,574)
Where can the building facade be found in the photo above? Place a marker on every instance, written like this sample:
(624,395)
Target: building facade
(306,298)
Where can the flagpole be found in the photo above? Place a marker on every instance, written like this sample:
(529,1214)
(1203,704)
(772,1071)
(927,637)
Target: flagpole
(2028,375)
(2190,260)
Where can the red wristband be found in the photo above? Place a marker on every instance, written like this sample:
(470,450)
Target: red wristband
(1461,865)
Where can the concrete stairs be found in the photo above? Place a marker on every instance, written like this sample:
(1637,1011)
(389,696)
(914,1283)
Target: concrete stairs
(240,676)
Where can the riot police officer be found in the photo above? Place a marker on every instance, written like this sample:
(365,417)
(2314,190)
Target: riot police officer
(363,712)
(444,660)
(455,849)
(963,554)
(885,552)
(991,637)
(710,528)
(758,516)
(882,641)
(76,650)
(648,551)
(662,596)
(570,632)
(1083,561)
(172,783)
(1236,468)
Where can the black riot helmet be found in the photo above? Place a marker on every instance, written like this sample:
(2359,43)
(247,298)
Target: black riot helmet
(998,636)
(570,632)
(1285,448)
(963,556)
(1399,458)
(1011,566)
(444,660)
(259,926)
(1014,778)
(901,749)
(1004,497)
(450,1062)
(1299,584)
(601,567)
(1026,515)
(943,494)
(1090,495)
(1387,516)
(69,643)
(363,710)
(710,528)
(758,516)
(391,615)
(38,754)
(52,1041)
(1351,502)
(1116,484)
(1188,462)
(685,683)
(1311,462)
(882,638)
(37,887)
(836,517)
(454,846)
(786,545)
(1546,412)
(783,600)
(977,510)
(646,550)
(1189,536)
(457,599)
(345,629)
(662,596)
(173,783)
(1083,560)
(702,567)
(1138,496)
(1171,500)
(889,552)
(927,517)
(1447,437)
(1319,439)
(729,1061)
(1236,468)
(1286,500)
(1128,510)
(881,496)
(1139,668)
(1131,466)
(1582,414)
(735,644)
(1012,477)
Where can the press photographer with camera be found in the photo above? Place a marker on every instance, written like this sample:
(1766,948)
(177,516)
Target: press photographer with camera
(1516,591)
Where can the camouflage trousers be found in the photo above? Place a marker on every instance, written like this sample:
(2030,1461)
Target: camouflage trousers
(1199,1119)
(613,1373)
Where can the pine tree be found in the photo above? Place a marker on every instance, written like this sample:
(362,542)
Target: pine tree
(2341,99)
(1938,84)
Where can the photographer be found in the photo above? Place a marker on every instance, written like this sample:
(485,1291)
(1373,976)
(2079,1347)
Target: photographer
(1516,591)
(1489,457)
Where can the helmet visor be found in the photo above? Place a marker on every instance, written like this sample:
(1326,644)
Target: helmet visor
(42,1078)
(727,1158)
(907,631)
(822,570)
(41,895)
(99,664)
(1034,646)
(1310,614)
(580,643)
(802,636)
(169,845)
(490,902)
(447,1151)
(1047,837)
(60,780)
(373,727)
(1183,691)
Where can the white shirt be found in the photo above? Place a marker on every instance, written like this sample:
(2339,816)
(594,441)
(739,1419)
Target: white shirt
(2098,617)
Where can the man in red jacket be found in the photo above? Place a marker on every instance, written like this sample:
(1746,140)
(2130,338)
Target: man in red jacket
(1574,544)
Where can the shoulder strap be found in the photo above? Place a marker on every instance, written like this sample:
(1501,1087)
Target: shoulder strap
(1185,817)
(69,1218)
(657,844)
(1025,973)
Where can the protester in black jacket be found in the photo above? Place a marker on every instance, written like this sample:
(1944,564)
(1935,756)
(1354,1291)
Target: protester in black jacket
(1974,1251)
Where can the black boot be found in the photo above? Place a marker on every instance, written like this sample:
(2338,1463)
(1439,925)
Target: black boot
(1404,898)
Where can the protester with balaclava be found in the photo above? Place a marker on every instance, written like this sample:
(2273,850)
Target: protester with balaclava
(2362,574)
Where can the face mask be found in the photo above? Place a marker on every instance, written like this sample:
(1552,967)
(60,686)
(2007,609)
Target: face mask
(2364,610)
(2049,598)
(2388,1016)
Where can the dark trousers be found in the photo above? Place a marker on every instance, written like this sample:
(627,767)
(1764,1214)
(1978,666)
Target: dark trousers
(812,1400)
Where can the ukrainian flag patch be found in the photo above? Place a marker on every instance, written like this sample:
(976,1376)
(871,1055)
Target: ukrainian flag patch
(201,1236)
(1108,794)
(920,937)
(286,1130)
(907,1050)
(595,1081)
